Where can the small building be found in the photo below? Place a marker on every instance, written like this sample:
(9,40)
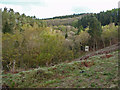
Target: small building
(86,48)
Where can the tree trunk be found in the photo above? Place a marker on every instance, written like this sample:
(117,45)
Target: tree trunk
(110,42)
(47,64)
(13,70)
(103,43)
(96,45)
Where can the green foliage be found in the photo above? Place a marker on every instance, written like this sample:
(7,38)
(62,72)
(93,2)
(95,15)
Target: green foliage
(95,31)
(110,33)
(14,21)
(105,18)
(7,28)
(79,29)
(95,28)
(62,28)
(75,23)
(82,40)
(34,47)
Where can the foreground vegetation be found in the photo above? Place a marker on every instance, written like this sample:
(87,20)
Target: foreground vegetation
(99,71)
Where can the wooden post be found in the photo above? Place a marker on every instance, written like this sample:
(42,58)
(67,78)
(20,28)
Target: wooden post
(13,66)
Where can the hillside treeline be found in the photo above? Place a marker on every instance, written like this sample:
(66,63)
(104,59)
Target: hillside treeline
(110,16)
(66,16)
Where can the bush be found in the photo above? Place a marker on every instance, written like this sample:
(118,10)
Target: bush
(33,47)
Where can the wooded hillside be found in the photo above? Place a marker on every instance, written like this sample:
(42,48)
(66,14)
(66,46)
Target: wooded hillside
(29,42)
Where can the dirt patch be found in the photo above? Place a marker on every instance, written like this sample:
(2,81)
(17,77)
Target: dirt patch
(106,56)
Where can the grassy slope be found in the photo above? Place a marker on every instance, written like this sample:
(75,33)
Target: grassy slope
(64,21)
(102,73)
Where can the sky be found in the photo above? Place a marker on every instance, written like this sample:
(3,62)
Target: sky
(51,8)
